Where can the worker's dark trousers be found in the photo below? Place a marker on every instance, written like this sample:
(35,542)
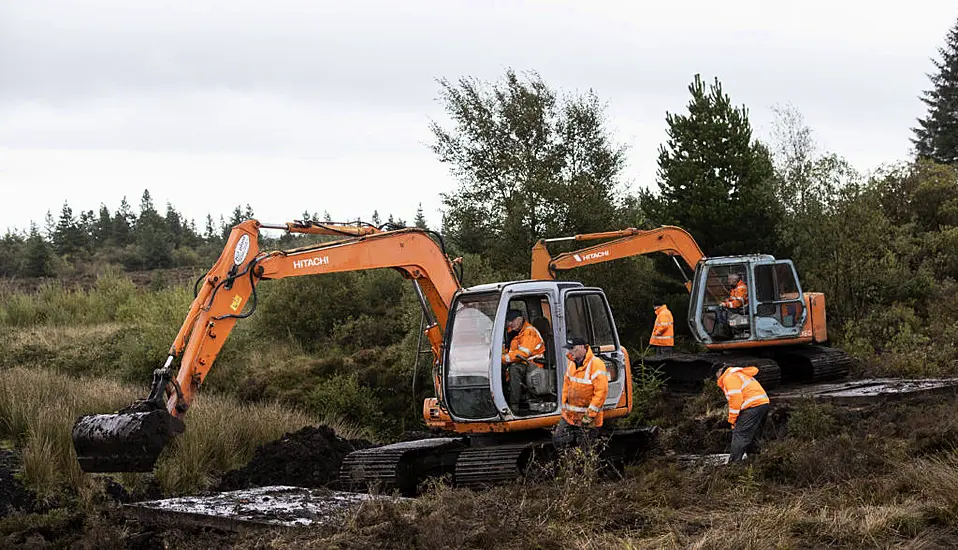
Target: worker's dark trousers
(663,351)
(747,429)
(567,435)
(517,376)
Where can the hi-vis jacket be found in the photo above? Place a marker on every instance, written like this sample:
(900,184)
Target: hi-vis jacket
(584,390)
(663,332)
(738,297)
(741,390)
(526,345)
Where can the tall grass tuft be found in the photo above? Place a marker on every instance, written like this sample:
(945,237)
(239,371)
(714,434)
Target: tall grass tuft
(37,411)
(38,408)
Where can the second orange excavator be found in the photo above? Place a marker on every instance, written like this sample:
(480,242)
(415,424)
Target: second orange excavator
(489,439)
(771,324)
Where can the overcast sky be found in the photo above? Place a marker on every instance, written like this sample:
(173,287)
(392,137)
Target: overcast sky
(324,106)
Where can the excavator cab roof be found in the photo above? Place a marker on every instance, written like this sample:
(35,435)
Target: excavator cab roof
(521,286)
(744,258)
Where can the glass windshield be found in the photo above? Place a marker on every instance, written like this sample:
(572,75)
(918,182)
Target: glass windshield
(471,342)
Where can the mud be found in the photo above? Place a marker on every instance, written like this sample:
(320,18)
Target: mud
(240,510)
(14,497)
(309,457)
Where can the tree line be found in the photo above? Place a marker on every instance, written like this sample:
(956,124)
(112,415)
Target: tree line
(534,162)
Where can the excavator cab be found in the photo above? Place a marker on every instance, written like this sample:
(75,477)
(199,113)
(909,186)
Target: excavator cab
(770,307)
(475,383)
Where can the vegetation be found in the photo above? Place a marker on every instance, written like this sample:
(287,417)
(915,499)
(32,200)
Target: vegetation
(84,327)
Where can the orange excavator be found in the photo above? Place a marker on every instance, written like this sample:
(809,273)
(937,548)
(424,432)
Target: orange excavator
(777,327)
(489,439)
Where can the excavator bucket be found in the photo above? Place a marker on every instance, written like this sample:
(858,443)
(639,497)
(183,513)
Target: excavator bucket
(127,441)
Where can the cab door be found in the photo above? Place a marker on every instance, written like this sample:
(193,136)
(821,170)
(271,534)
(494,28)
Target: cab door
(779,306)
(586,313)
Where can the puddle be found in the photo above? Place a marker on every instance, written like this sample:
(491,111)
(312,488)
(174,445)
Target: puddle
(864,390)
(276,505)
(717,459)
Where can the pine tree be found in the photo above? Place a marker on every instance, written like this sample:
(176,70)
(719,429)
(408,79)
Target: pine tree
(153,240)
(375,219)
(38,260)
(175,225)
(103,227)
(713,179)
(209,234)
(420,220)
(67,235)
(936,137)
(123,222)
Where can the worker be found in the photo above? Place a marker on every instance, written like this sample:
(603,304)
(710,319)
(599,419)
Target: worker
(584,390)
(747,406)
(662,333)
(524,346)
(738,295)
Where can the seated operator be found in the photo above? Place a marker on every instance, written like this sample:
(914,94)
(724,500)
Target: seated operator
(524,345)
(738,295)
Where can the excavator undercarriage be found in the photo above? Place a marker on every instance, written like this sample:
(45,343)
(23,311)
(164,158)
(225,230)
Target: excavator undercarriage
(684,372)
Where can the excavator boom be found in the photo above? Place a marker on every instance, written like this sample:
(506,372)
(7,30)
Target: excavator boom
(133,438)
(668,239)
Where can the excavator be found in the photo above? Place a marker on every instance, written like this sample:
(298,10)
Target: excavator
(780,329)
(485,439)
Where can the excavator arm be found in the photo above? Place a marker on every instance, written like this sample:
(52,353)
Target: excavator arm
(674,241)
(132,439)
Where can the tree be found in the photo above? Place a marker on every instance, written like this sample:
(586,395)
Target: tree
(420,220)
(375,219)
(209,234)
(123,222)
(529,164)
(175,226)
(103,226)
(68,237)
(714,180)
(153,240)
(38,260)
(936,136)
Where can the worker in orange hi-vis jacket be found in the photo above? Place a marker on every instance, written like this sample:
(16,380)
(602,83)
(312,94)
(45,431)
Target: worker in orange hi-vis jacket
(747,406)
(663,333)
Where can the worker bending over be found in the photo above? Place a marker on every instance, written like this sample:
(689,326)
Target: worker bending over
(662,333)
(584,390)
(747,406)
(525,346)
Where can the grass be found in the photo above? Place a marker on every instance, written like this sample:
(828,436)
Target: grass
(38,408)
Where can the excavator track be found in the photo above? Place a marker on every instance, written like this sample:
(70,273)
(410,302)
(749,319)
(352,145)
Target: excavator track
(400,466)
(479,467)
(687,372)
(814,363)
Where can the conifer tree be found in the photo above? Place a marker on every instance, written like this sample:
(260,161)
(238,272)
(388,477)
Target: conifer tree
(936,136)
(714,180)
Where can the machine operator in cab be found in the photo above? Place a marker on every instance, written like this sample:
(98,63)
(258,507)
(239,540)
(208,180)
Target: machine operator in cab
(523,346)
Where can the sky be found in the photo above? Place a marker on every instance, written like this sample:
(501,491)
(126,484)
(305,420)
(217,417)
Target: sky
(320,106)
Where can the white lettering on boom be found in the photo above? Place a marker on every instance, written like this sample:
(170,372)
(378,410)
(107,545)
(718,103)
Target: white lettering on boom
(311,262)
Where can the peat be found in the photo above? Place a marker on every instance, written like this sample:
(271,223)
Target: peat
(309,457)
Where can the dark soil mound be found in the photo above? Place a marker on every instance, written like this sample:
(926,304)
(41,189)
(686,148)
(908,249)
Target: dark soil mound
(309,457)
(14,497)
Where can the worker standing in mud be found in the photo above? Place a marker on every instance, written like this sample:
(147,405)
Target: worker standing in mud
(584,390)
(747,406)
(663,333)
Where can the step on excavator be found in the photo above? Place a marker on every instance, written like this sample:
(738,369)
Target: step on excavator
(487,439)
(775,326)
